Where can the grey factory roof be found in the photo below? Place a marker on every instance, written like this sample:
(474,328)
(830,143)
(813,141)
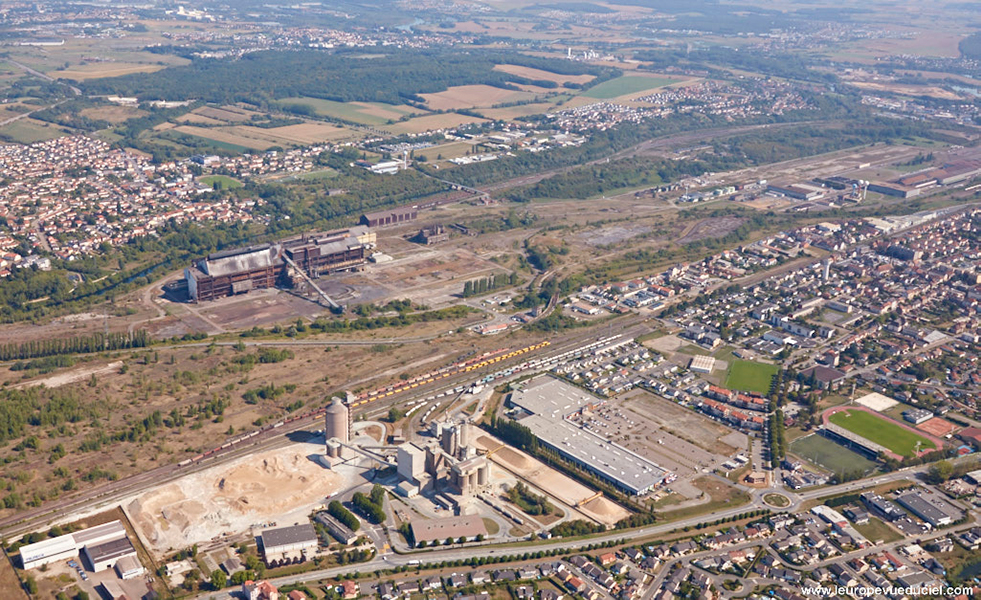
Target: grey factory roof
(552,398)
(113,529)
(250,259)
(110,550)
(288,536)
(550,401)
(631,470)
(926,510)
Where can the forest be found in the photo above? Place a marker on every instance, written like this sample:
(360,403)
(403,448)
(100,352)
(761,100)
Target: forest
(344,76)
(757,148)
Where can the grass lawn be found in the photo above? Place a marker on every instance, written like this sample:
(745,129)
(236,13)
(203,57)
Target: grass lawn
(750,376)
(833,457)
(878,532)
(876,429)
(693,350)
(491,526)
(778,500)
(627,84)
(723,497)
(227,183)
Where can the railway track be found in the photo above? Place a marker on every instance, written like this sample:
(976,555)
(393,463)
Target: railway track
(508,364)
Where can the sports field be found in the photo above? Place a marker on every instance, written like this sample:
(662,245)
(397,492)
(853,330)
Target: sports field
(881,431)
(825,453)
(749,376)
(227,182)
(628,84)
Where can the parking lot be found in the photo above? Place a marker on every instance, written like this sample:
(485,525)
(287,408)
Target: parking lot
(675,438)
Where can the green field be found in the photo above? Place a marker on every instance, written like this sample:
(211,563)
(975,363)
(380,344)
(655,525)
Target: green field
(835,458)
(881,431)
(749,376)
(28,131)
(365,113)
(628,84)
(227,183)
(315,175)
(876,531)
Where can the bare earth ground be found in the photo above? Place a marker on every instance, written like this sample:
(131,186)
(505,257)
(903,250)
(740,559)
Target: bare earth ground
(671,436)
(73,376)
(275,486)
(562,487)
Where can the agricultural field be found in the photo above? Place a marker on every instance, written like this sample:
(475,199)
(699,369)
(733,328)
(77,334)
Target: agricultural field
(28,131)
(113,114)
(539,74)
(229,114)
(749,376)
(882,431)
(823,452)
(226,137)
(104,69)
(508,113)
(626,86)
(432,123)
(315,175)
(300,134)
(363,113)
(473,96)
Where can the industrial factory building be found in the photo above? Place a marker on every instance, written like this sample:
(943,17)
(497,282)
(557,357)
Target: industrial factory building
(103,545)
(288,543)
(242,270)
(551,404)
(450,468)
(437,530)
(337,428)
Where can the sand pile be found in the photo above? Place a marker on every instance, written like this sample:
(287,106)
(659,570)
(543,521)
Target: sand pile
(275,486)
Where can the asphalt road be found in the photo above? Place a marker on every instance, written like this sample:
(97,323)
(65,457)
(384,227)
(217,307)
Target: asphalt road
(387,561)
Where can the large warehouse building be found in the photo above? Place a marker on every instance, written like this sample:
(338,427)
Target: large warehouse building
(67,546)
(288,543)
(241,270)
(550,402)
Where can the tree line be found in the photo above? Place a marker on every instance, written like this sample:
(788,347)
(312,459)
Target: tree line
(97,342)
(477,287)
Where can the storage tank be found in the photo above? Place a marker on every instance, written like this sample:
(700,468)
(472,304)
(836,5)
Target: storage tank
(337,422)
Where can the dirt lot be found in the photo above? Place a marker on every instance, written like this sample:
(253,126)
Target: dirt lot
(710,228)
(183,382)
(689,442)
(275,486)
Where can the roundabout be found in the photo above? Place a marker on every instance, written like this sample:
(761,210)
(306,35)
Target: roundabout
(776,500)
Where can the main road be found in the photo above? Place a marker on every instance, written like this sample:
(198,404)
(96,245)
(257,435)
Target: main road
(641,534)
